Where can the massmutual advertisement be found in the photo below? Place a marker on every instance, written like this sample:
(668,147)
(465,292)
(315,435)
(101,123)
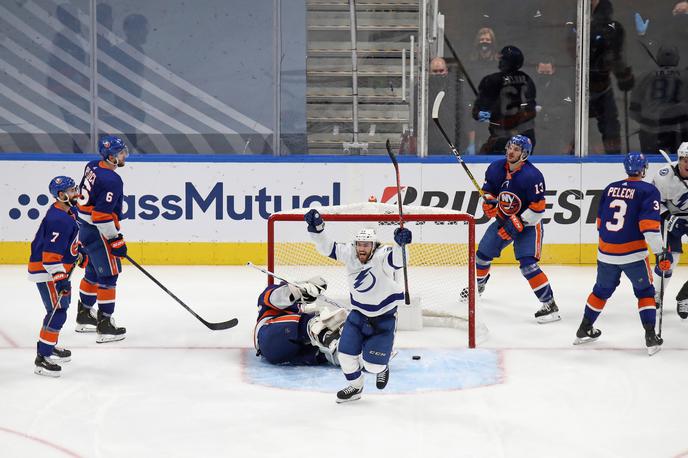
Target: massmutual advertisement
(215,213)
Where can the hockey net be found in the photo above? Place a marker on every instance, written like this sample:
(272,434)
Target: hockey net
(441,257)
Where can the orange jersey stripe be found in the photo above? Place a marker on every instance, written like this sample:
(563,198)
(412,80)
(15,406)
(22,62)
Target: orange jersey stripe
(596,302)
(286,318)
(538,206)
(598,223)
(538,280)
(51,258)
(49,336)
(85,209)
(646,302)
(106,294)
(622,248)
(648,225)
(100,217)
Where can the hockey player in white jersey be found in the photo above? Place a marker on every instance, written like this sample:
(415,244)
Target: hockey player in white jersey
(672,182)
(375,292)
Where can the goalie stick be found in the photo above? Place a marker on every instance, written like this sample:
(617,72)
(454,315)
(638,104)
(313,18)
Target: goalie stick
(407,297)
(213,326)
(289,282)
(457,155)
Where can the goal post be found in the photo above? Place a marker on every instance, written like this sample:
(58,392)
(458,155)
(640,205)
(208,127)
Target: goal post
(441,256)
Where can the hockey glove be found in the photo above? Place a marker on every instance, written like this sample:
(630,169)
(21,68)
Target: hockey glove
(117,246)
(489,205)
(314,221)
(484,116)
(640,25)
(625,80)
(402,236)
(82,257)
(512,226)
(677,226)
(61,280)
(664,261)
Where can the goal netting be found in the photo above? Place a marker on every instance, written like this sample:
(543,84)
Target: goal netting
(441,257)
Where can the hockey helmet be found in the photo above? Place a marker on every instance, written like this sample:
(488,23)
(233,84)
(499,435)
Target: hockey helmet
(366,235)
(682,150)
(111,145)
(61,184)
(524,143)
(635,164)
(510,59)
(667,56)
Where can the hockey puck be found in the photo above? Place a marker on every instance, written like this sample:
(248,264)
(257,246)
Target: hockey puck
(415,357)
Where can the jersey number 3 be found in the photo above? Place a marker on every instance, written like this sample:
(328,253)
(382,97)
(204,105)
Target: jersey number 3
(621,206)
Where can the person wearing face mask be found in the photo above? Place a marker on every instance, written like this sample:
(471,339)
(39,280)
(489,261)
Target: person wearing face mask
(444,78)
(506,102)
(555,108)
(55,251)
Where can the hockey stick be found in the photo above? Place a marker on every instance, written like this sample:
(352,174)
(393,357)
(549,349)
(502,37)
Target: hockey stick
(457,155)
(407,297)
(289,282)
(461,67)
(59,299)
(661,281)
(214,326)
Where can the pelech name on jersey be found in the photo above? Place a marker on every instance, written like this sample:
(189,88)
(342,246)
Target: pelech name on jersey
(621,193)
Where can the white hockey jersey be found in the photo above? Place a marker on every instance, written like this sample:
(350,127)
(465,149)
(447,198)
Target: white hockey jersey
(373,287)
(672,190)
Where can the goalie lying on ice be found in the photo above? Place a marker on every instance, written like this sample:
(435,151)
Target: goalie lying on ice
(293,328)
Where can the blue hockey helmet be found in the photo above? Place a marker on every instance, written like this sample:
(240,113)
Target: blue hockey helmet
(111,145)
(524,143)
(635,164)
(510,59)
(60,184)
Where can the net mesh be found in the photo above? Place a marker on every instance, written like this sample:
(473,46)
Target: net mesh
(438,257)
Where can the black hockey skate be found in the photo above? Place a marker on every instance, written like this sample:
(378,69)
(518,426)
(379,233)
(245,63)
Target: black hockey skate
(586,333)
(348,394)
(85,319)
(682,309)
(652,341)
(45,367)
(382,378)
(61,355)
(548,313)
(108,330)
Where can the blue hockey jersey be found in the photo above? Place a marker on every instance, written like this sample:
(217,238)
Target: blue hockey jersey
(55,246)
(628,209)
(102,193)
(520,192)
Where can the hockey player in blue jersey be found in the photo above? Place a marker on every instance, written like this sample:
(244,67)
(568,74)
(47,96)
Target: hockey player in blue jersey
(54,253)
(515,196)
(628,221)
(292,328)
(375,292)
(99,213)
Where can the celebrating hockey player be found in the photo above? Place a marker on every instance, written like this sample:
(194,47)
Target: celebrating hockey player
(515,196)
(54,252)
(99,212)
(293,329)
(627,221)
(375,293)
(673,193)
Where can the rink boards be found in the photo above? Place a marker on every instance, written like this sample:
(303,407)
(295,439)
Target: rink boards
(191,212)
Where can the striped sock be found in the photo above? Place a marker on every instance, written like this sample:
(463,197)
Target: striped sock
(538,282)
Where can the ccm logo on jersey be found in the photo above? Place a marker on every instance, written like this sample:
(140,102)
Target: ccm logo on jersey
(509,203)
(365,280)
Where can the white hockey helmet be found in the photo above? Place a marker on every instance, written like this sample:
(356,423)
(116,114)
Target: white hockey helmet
(367,234)
(682,150)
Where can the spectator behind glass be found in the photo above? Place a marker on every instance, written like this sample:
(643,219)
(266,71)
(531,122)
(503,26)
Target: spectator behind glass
(444,78)
(555,108)
(481,62)
(606,57)
(660,104)
(506,102)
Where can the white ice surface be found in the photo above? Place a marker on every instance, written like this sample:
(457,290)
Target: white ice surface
(176,389)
